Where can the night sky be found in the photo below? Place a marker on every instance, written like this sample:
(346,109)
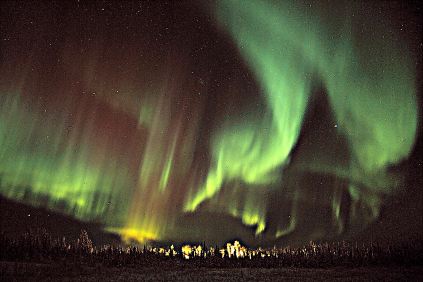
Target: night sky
(266,121)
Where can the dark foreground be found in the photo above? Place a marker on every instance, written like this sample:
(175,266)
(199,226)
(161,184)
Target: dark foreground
(12,271)
(37,256)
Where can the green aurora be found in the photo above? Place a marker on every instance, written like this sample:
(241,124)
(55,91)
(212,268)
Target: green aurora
(372,95)
(121,146)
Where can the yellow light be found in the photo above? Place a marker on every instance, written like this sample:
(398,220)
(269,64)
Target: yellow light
(132,234)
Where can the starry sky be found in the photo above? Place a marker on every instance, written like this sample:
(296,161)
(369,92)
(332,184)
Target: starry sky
(267,121)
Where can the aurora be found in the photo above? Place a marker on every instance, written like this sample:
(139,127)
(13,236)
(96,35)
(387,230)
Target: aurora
(266,121)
